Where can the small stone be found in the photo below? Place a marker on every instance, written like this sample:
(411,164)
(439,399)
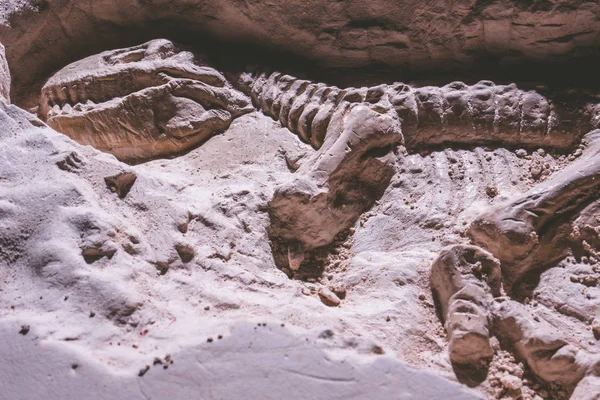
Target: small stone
(326,334)
(511,382)
(144,370)
(596,328)
(536,171)
(329,298)
(340,291)
(521,153)
(121,183)
(491,191)
(590,280)
(24,330)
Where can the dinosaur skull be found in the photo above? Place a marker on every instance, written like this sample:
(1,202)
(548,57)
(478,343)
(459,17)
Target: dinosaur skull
(149,101)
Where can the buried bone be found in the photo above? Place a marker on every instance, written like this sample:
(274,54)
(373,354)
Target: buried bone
(337,183)
(466,280)
(343,178)
(484,113)
(519,233)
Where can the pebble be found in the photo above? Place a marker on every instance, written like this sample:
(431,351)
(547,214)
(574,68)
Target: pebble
(521,153)
(511,382)
(340,291)
(596,328)
(329,298)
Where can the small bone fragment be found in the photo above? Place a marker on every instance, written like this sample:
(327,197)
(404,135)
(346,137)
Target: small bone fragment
(121,183)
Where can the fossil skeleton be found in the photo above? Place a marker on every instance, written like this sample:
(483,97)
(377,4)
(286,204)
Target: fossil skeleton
(156,99)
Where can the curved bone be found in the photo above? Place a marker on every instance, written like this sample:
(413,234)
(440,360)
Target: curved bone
(339,182)
(465,280)
(547,353)
(519,232)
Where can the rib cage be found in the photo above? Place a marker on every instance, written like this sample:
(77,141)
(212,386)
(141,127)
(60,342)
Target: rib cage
(484,113)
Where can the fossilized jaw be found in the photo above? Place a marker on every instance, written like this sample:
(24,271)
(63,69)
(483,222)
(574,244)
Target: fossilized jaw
(139,103)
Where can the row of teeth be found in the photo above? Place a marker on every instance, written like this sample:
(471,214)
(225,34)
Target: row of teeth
(103,90)
(78,93)
(66,95)
(65,99)
(67,109)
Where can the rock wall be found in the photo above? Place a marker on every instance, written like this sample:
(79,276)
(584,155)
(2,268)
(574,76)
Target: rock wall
(42,36)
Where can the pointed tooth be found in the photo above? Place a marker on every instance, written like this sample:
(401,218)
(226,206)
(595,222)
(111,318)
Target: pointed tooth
(82,94)
(72,94)
(51,101)
(61,95)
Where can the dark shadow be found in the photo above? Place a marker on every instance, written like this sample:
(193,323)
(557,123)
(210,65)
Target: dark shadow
(470,375)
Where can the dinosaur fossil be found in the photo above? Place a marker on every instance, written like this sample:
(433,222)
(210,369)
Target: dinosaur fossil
(156,100)
(467,282)
(484,113)
(521,235)
(148,101)
(353,128)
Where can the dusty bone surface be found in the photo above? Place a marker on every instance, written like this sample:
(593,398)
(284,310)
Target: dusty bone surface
(465,280)
(523,232)
(188,251)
